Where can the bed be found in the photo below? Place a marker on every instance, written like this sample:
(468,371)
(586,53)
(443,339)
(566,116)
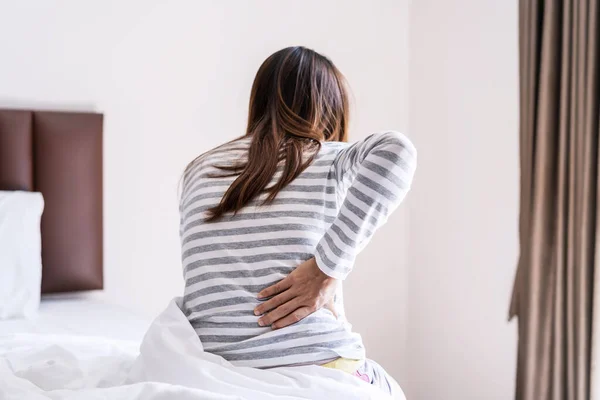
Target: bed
(80,316)
(59,154)
(76,345)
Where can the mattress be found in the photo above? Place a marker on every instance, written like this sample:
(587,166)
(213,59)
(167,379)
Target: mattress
(80,316)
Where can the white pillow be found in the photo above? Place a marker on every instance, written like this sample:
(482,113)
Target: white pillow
(20,253)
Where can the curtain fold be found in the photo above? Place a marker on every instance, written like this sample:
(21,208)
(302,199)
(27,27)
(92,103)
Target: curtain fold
(558,227)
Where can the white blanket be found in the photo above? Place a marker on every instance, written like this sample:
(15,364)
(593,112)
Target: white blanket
(170,364)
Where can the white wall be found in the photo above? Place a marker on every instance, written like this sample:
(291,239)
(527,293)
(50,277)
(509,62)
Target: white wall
(464,203)
(173,80)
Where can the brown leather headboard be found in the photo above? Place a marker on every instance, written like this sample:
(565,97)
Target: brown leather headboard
(60,155)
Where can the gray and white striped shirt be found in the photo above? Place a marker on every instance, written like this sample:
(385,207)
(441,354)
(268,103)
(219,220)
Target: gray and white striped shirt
(330,211)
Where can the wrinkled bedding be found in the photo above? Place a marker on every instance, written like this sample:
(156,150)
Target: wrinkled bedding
(169,364)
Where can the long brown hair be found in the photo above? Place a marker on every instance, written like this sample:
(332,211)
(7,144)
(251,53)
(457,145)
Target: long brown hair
(298,100)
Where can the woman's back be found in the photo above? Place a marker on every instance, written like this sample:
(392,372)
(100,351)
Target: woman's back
(329,211)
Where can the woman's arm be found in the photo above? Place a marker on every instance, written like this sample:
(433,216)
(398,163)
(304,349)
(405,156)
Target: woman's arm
(379,172)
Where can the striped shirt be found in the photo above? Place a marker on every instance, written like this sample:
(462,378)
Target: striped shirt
(330,211)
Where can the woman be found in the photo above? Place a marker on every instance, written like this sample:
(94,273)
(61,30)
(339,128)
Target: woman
(272,222)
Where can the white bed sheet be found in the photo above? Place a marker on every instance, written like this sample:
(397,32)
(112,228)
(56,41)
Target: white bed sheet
(80,316)
(170,364)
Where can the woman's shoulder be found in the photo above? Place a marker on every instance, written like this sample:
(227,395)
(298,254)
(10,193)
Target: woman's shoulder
(240,144)
(223,154)
(231,149)
(332,148)
(389,138)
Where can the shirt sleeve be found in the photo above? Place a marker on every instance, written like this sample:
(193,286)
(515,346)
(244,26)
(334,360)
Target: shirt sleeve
(379,172)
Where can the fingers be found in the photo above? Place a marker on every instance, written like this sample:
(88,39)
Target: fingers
(278,313)
(292,318)
(272,290)
(274,302)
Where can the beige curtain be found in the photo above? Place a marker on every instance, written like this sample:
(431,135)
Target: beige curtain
(553,292)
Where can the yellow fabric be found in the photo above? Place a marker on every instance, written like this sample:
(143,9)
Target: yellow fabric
(344,364)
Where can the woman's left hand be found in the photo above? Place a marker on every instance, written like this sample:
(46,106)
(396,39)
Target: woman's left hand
(304,291)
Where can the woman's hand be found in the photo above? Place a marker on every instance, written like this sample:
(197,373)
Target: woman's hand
(304,291)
